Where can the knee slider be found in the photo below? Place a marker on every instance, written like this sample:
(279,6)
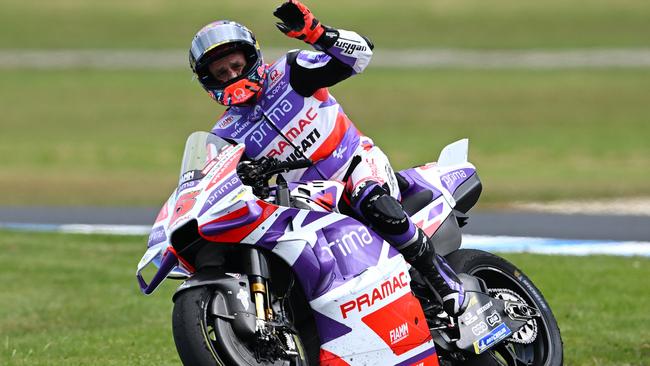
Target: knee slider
(383,212)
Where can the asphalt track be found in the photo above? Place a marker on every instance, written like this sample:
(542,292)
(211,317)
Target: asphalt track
(491,223)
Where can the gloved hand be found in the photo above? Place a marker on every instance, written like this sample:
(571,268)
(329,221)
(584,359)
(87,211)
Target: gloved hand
(254,172)
(298,22)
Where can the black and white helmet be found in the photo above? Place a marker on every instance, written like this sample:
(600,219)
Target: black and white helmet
(217,40)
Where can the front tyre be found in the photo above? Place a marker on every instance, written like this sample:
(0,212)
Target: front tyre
(205,340)
(500,275)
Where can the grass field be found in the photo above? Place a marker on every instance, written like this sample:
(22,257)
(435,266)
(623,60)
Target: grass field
(88,137)
(414,23)
(115,137)
(73,300)
(82,137)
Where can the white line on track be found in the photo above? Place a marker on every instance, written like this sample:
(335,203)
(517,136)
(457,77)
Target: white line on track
(504,244)
(406,58)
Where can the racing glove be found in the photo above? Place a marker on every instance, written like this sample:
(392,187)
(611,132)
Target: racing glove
(298,22)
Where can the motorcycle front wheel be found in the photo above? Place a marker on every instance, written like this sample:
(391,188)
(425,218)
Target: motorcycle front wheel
(502,278)
(202,339)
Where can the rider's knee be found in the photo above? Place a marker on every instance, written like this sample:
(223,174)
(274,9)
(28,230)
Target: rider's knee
(381,210)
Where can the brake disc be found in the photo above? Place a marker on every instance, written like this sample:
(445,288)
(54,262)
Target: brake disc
(526,334)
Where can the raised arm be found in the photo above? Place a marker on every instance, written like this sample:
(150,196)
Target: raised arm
(342,53)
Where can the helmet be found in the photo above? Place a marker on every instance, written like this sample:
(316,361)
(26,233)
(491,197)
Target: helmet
(217,40)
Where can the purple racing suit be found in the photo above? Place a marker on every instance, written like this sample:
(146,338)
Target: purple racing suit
(296,117)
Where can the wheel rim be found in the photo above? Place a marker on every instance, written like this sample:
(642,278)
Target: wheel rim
(209,329)
(517,354)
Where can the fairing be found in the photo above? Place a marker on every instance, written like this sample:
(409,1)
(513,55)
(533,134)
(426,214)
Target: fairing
(357,285)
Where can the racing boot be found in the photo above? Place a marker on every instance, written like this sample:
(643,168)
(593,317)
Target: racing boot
(387,217)
(420,253)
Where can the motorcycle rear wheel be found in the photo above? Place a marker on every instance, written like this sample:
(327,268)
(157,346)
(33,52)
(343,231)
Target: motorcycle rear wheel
(547,348)
(205,340)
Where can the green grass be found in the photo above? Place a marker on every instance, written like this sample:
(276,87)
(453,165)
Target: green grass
(116,137)
(73,300)
(415,23)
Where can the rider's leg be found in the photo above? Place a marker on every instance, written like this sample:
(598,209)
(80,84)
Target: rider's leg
(374,192)
(387,217)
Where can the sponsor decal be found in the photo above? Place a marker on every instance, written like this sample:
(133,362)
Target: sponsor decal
(275,76)
(349,48)
(383,291)
(274,90)
(227,121)
(401,325)
(468,318)
(479,328)
(239,93)
(225,167)
(183,205)
(187,185)
(233,275)
(305,144)
(493,319)
(483,308)
(209,166)
(256,114)
(351,241)
(188,176)
(536,294)
(239,128)
(294,132)
(243,297)
(157,236)
(220,192)
(455,178)
(452,177)
(258,136)
(275,115)
(399,333)
(239,194)
(338,153)
(492,338)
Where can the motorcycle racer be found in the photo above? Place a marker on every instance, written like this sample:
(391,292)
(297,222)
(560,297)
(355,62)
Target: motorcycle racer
(284,111)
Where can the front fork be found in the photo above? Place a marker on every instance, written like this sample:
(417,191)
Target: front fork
(257,268)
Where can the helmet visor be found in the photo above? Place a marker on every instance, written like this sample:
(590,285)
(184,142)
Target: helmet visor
(213,36)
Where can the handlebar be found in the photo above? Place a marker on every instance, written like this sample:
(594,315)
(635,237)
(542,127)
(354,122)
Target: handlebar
(258,173)
(263,169)
(285,166)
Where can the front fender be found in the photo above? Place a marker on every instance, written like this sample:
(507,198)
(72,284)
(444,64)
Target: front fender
(231,301)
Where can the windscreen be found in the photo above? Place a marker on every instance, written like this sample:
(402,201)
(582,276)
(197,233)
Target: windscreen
(200,149)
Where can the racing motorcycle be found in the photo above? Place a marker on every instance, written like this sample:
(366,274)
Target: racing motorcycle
(284,274)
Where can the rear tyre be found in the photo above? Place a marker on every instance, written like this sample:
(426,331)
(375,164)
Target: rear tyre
(546,349)
(205,340)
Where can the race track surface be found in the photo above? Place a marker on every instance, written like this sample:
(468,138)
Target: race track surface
(493,223)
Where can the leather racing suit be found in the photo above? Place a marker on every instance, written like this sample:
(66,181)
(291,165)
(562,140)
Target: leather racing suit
(296,117)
